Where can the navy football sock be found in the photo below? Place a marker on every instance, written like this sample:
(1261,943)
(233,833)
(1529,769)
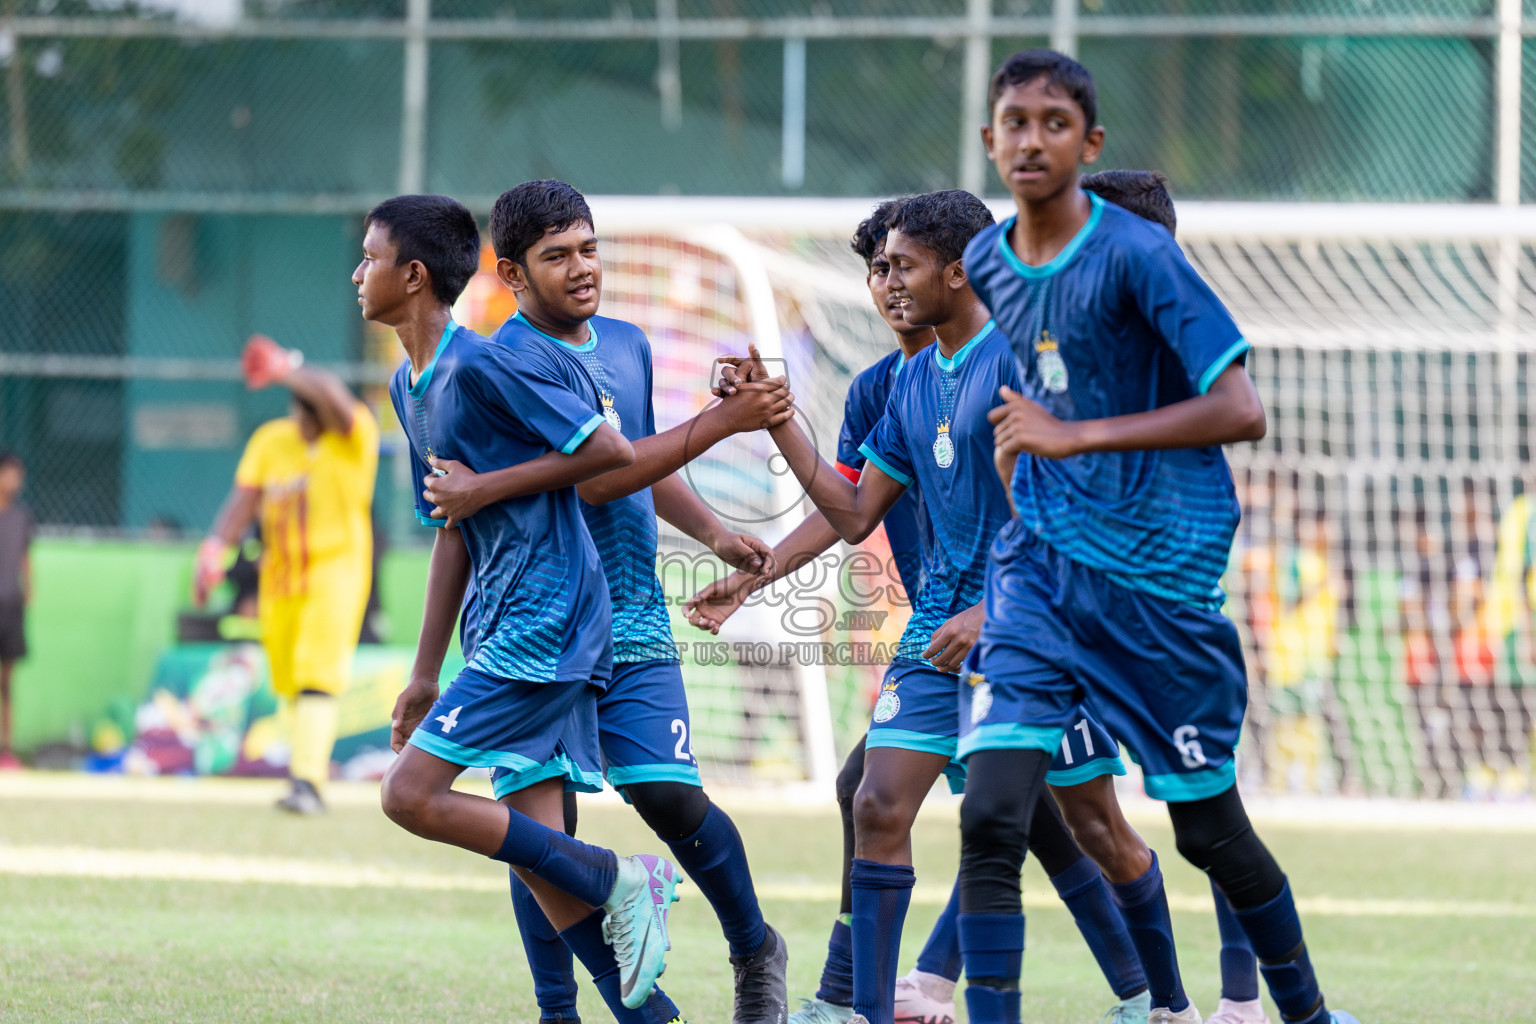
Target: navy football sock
(714,859)
(1274,930)
(1083,888)
(1239,967)
(549,958)
(881,893)
(941,953)
(570,865)
(1144,905)
(585,938)
(837,975)
(992,946)
(987,1005)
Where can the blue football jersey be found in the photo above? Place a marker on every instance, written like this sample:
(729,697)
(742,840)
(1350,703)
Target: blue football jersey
(935,437)
(613,371)
(1118,323)
(906,524)
(538,587)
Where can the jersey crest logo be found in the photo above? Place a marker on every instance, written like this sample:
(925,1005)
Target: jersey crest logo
(1053,369)
(611,414)
(888,704)
(944,447)
(981,697)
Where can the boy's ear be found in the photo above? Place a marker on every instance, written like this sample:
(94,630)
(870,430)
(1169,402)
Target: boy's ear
(954,276)
(1093,145)
(512,274)
(986,141)
(417,277)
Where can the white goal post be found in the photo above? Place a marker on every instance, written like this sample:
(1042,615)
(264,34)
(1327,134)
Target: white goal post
(1381,577)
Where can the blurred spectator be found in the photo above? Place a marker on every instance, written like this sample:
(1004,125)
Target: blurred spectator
(1306,733)
(16,530)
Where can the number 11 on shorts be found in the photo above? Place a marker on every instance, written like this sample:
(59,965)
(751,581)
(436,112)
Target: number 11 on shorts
(1066,741)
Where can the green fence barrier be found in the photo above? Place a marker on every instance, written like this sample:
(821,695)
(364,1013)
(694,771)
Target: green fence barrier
(103,613)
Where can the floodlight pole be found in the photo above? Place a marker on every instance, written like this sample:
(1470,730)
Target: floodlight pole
(1506,188)
(1506,175)
(792,144)
(973,93)
(669,73)
(1064,27)
(413,111)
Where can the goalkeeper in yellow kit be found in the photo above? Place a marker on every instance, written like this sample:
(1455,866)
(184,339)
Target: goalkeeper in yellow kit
(310,476)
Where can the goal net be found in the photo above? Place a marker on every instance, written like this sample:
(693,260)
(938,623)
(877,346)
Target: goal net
(1381,578)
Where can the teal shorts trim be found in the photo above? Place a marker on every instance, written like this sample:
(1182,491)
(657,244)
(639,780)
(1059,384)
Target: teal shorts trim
(906,739)
(1083,772)
(506,782)
(1010,736)
(1187,786)
(925,743)
(620,776)
(470,757)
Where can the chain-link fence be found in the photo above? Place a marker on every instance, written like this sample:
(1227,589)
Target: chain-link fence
(176,174)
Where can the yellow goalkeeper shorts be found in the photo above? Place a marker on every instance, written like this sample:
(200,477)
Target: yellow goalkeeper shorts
(310,639)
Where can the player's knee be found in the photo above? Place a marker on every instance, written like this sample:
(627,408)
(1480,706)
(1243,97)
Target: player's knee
(1203,829)
(881,811)
(992,817)
(1202,843)
(406,801)
(673,810)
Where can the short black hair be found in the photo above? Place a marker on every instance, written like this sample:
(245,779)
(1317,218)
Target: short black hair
(438,231)
(1144,193)
(1059,71)
(869,236)
(10,459)
(942,222)
(524,214)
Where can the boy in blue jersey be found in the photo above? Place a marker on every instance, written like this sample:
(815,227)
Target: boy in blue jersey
(1145,193)
(934,435)
(547,254)
(1105,584)
(926,994)
(525,702)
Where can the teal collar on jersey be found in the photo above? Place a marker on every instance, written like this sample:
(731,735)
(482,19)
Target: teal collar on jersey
(420,387)
(951,365)
(586,346)
(1062,258)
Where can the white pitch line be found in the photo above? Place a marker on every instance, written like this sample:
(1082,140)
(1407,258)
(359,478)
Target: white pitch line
(176,865)
(1328,813)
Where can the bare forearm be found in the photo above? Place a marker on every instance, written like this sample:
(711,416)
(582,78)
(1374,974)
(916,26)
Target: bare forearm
(1229,412)
(805,542)
(237,514)
(677,504)
(549,472)
(325,392)
(658,457)
(447,576)
(831,492)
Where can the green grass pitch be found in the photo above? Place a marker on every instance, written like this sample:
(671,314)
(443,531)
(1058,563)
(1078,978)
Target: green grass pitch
(178,901)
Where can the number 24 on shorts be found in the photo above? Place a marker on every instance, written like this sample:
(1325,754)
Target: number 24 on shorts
(684,748)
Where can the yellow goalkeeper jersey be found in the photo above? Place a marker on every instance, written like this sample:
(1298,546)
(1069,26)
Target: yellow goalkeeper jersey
(316,501)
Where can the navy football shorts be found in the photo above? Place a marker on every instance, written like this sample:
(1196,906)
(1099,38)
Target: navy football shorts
(1165,677)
